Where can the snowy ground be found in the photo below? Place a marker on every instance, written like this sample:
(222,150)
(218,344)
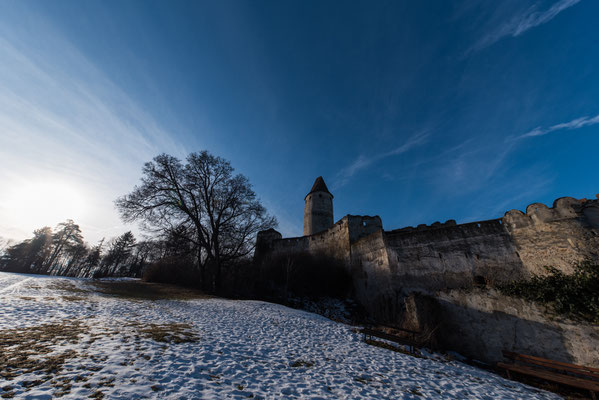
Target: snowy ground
(64,337)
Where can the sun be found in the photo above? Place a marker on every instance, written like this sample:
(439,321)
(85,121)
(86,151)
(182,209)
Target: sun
(44,203)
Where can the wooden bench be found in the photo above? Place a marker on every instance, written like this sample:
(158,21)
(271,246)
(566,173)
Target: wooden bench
(555,371)
(406,341)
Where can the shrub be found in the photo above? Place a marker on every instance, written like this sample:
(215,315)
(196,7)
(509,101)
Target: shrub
(172,270)
(575,295)
(305,275)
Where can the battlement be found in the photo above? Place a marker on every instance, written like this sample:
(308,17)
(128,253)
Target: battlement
(448,255)
(441,257)
(563,208)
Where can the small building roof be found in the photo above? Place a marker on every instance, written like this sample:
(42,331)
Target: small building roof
(319,186)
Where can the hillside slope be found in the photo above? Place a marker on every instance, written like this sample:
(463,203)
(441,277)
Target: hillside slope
(72,338)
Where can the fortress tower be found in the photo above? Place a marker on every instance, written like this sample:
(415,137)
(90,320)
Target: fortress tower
(318,209)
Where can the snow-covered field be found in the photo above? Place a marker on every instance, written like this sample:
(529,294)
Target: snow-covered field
(65,337)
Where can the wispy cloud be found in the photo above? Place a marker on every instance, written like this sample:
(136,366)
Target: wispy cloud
(64,122)
(363,162)
(574,124)
(522,22)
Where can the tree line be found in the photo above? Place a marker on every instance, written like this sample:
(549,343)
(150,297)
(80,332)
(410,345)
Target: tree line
(62,251)
(200,217)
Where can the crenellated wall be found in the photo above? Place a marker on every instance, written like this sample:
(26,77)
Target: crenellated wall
(449,255)
(390,267)
(336,241)
(559,236)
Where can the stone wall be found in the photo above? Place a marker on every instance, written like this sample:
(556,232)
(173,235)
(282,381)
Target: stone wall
(333,242)
(559,236)
(446,256)
(481,324)
(372,277)
(450,256)
(446,262)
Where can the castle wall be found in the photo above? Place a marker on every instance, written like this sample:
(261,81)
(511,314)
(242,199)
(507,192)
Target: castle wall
(446,262)
(373,284)
(446,256)
(483,323)
(387,265)
(333,242)
(559,236)
(450,256)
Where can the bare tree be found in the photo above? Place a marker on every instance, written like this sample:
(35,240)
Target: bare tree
(5,244)
(118,254)
(30,255)
(92,261)
(219,210)
(66,237)
(74,257)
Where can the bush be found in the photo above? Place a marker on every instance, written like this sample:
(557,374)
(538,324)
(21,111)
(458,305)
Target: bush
(172,270)
(305,275)
(575,295)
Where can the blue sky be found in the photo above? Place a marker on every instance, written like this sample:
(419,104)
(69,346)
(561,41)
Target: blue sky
(414,111)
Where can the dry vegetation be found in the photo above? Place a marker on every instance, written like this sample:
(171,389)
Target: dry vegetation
(37,350)
(139,290)
(45,352)
(166,333)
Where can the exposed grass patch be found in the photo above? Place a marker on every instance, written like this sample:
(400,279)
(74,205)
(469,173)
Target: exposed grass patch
(73,298)
(166,333)
(66,286)
(415,391)
(302,363)
(97,395)
(27,350)
(108,382)
(140,290)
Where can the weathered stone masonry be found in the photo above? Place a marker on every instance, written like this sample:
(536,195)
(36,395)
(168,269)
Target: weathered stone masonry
(450,255)
(389,265)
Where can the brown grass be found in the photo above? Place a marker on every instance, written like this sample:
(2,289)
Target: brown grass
(29,350)
(139,290)
(302,363)
(97,395)
(166,333)
(73,298)
(66,286)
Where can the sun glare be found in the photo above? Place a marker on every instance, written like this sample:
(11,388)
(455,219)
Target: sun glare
(44,203)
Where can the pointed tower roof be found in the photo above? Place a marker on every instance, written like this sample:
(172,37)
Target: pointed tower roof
(319,186)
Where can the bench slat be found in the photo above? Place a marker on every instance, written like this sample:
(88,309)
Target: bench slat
(577,369)
(552,376)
